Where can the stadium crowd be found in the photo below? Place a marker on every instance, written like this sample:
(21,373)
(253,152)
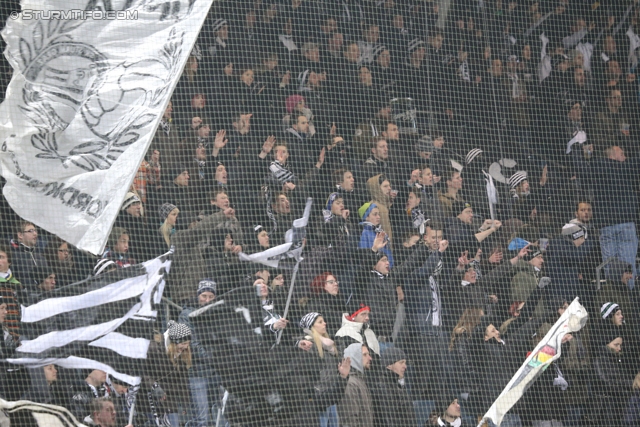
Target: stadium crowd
(471,164)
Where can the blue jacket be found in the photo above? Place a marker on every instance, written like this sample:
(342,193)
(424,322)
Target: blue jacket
(368,236)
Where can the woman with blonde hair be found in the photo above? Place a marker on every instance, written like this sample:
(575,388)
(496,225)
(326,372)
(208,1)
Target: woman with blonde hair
(318,360)
(166,380)
(169,215)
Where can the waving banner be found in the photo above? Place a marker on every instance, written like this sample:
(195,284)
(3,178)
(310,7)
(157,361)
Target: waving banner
(91,80)
(546,352)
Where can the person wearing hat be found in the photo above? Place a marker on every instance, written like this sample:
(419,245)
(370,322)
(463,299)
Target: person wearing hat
(175,189)
(450,412)
(168,214)
(167,379)
(616,288)
(527,202)
(335,227)
(319,357)
(371,227)
(392,404)
(202,373)
(355,329)
(610,311)
(260,240)
(131,218)
(613,382)
(356,406)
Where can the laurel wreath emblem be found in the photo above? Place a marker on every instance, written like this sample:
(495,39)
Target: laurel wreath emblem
(115,107)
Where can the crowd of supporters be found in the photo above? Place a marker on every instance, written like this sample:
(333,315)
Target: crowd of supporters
(471,164)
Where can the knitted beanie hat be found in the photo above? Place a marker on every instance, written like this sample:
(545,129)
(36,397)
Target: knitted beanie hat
(129,200)
(165,210)
(206,285)
(517,178)
(471,155)
(309,319)
(178,332)
(608,309)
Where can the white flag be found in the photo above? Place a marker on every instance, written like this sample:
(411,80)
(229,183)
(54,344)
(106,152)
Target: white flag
(546,352)
(291,249)
(88,90)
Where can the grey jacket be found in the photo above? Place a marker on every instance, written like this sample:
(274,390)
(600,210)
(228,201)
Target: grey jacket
(189,265)
(356,408)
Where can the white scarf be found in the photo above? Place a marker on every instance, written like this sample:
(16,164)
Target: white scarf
(354,330)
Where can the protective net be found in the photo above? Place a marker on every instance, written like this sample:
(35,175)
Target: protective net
(319,213)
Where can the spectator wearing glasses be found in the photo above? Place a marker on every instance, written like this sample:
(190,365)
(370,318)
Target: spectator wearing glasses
(328,300)
(25,253)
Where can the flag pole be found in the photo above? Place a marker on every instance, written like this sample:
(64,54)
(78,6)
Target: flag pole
(286,309)
(132,410)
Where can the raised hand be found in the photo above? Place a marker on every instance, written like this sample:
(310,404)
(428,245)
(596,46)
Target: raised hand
(344,367)
(379,242)
(268,144)
(220,141)
(195,122)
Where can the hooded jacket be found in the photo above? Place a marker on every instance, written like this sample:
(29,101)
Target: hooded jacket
(352,332)
(356,407)
(383,202)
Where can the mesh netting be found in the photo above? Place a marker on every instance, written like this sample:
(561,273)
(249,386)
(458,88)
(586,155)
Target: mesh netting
(345,213)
